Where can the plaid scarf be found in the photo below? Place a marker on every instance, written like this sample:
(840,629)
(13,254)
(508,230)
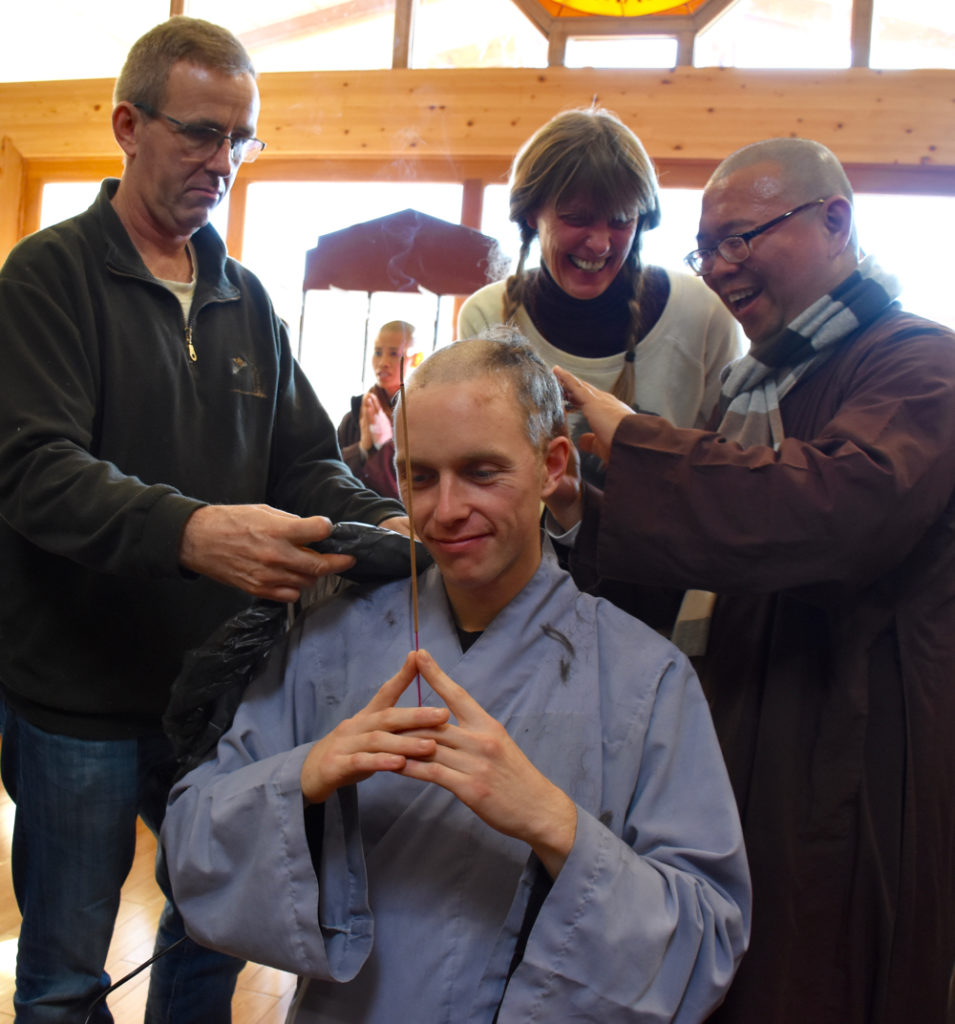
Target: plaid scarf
(753,388)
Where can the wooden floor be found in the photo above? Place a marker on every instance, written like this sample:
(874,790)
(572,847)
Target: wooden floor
(262,994)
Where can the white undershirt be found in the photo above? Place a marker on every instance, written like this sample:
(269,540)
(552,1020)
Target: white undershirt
(184,290)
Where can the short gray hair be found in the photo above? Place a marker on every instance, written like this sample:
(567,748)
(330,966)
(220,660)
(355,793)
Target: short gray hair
(146,70)
(502,351)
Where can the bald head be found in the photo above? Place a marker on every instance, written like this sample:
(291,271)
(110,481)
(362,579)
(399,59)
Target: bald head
(805,166)
(791,202)
(796,170)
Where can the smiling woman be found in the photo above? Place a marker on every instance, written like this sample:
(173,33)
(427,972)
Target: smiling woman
(583,251)
(583,187)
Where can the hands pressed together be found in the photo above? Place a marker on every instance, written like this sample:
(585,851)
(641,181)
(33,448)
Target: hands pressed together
(374,423)
(460,747)
(473,757)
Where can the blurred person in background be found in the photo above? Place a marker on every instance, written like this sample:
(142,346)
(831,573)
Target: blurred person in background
(365,433)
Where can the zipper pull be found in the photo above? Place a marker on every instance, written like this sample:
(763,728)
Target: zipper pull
(190,346)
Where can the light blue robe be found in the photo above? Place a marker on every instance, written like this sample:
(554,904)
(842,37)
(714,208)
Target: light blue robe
(415,906)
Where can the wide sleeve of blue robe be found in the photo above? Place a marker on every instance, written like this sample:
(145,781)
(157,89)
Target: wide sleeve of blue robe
(398,886)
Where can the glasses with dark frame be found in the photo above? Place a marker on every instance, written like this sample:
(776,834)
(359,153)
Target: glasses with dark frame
(736,248)
(203,141)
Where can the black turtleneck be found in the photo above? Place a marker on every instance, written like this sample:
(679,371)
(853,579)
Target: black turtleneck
(597,327)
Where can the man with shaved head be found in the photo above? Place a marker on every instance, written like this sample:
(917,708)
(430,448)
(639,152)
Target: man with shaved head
(540,829)
(817,521)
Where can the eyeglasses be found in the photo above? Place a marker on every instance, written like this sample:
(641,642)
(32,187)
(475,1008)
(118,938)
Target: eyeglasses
(736,248)
(203,141)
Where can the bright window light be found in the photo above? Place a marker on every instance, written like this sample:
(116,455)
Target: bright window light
(777,34)
(916,34)
(46,40)
(302,35)
(64,199)
(621,52)
(284,220)
(485,34)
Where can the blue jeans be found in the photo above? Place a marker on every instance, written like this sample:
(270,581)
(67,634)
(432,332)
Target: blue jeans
(74,836)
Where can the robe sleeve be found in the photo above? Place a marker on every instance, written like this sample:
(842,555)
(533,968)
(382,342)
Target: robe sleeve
(690,508)
(238,850)
(649,917)
(375,469)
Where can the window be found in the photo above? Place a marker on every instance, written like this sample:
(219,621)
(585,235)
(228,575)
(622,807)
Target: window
(475,34)
(284,220)
(779,34)
(298,35)
(909,237)
(61,39)
(916,34)
(621,52)
(64,199)
(303,35)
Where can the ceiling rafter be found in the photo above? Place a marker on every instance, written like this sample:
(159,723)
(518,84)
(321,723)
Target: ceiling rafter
(301,26)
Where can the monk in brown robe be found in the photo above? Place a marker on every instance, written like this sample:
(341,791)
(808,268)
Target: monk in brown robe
(819,514)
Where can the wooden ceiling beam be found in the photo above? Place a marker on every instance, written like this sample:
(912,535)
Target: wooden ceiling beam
(404,33)
(887,117)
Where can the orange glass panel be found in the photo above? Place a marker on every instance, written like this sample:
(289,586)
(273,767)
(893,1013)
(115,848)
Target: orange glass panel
(622,8)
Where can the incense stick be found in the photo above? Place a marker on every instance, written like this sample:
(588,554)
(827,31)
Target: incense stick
(409,502)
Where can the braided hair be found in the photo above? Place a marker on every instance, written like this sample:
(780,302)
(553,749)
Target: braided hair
(586,153)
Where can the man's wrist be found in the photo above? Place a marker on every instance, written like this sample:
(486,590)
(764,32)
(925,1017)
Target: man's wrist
(553,846)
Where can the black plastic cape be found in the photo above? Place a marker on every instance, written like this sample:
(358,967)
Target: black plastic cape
(213,678)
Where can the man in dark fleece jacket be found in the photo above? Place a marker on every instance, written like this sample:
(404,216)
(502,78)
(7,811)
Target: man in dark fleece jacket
(162,458)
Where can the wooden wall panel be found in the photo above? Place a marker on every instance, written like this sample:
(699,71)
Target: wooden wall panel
(12,181)
(892,129)
(688,113)
(65,120)
(888,117)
